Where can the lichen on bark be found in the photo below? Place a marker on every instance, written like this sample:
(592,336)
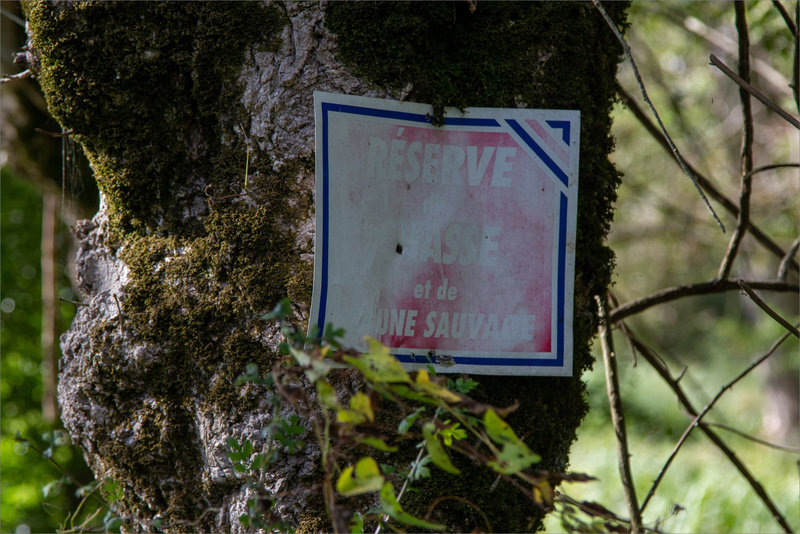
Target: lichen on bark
(169,101)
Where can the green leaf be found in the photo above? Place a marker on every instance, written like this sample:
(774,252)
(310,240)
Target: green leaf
(327,395)
(514,454)
(319,369)
(239,468)
(360,410)
(425,384)
(357,526)
(408,393)
(462,385)
(378,365)
(365,478)
(419,469)
(301,357)
(435,449)
(281,310)
(51,488)
(408,421)
(392,508)
(452,432)
(377,443)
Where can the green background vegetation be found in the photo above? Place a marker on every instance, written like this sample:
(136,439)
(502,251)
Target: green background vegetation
(25,474)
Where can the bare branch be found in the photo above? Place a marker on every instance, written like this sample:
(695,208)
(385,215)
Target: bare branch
(786,17)
(662,370)
(672,146)
(773,167)
(704,182)
(754,439)
(702,288)
(770,311)
(617,415)
(65,133)
(12,17)
(27,73)
(747,147)
(755,92)
(783,268)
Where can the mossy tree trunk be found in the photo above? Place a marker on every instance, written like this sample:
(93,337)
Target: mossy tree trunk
(181,260)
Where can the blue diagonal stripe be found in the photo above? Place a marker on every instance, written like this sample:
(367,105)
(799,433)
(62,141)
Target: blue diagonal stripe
(528,140)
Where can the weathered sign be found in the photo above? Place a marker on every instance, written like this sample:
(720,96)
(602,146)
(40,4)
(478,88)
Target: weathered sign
(452,245)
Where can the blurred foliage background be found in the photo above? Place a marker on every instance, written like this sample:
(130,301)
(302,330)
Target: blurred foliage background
(663,236)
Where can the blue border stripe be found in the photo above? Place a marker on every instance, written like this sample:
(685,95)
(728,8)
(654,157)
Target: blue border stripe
(539,151)
(564,126)
(323,299)
(405,116)
(466,360)
(562,262)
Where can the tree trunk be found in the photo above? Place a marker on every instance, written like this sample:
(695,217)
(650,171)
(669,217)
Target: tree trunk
(181,260)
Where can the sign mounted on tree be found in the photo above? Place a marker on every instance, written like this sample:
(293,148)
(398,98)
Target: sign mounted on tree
(452,245)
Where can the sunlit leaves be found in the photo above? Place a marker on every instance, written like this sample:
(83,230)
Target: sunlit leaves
(366,477)
(436,450)
(378,365)
(514,455)
(392,508)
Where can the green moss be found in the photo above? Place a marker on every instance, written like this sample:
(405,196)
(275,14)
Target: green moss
(129,76)
(551,55)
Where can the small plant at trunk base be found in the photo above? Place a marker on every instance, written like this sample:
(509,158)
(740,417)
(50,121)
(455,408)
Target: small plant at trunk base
(360,493)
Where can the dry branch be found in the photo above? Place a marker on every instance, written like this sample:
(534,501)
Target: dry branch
(755,92)
(747,147)
(618,416)
(663,371)
(704,182)
(770,311)
(701,288)
(666,135)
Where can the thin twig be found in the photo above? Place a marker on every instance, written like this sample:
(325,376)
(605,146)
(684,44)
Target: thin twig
(591,509)
(786,17)
(754,439)
(617,415)
(119,313)
(770,311)
(702,288)
(13,17)
(783,268)
(704,182)
(65,133)
(672,146)
(773,167)
(385,518)
(662,370)
(75,302)
(27,73)
(469,503)
(697,418)
(747,147)
(755,92)
(795,83)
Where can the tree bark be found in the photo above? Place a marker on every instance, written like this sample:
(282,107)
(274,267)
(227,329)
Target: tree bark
(181,260)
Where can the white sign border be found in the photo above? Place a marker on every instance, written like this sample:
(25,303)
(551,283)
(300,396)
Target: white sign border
(488,119)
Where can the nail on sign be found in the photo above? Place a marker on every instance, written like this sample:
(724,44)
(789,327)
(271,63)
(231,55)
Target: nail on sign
(452,245)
